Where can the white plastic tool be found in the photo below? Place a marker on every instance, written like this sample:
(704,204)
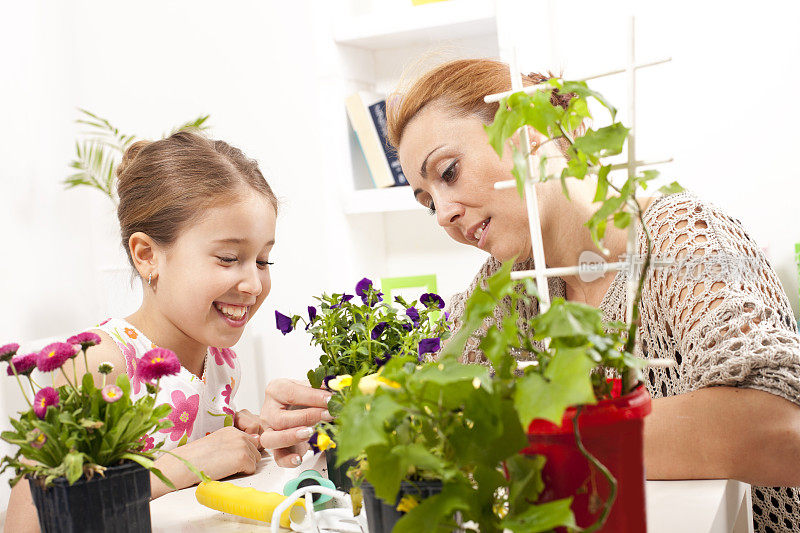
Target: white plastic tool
(336,519)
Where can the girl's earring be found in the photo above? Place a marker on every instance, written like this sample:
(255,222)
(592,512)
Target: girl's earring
(149,278)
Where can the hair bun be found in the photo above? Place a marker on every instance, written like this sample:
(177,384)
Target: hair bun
(129,155)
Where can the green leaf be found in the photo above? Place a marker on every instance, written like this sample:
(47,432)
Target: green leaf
(436,511)
(671,188)
(622,219)
(567,381)
(361,423)
(73,464)
(525,474)
(603,142)
(543,517)
(602,184)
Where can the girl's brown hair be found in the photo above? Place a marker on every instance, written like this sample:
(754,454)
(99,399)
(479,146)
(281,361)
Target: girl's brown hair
(460,85)
(163,185)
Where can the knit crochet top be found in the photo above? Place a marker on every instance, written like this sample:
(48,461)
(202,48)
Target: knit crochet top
(718,310)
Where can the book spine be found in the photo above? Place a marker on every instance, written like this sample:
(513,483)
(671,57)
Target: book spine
(377,112)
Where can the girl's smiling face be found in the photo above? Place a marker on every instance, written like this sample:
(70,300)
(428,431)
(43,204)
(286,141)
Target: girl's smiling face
(452,169)
(215,276)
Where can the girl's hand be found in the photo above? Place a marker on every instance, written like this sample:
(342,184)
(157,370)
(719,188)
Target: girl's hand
(291,408)
(220,454)
(248,422)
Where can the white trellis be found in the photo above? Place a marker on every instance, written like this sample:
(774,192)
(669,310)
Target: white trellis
(540,272)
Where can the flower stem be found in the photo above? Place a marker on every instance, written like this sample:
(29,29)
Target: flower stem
(85,359)
(612,482)
(21,388)
(67,378)
(33,390)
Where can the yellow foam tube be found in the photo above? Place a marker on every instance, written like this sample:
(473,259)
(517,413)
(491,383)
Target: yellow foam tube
(244,501)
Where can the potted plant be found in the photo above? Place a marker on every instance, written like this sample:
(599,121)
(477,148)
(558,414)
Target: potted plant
(359,333)
(551,447)
(85,449)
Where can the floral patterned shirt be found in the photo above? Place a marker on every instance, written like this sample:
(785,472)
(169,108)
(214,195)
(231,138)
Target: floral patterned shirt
(199,405)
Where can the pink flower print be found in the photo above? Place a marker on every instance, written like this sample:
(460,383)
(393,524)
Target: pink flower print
(183,414)
(228,411)
(222,356)
(226,393)
(104,322)
(130,363)
(149,442)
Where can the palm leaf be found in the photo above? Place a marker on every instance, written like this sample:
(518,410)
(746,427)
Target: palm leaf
(198,124)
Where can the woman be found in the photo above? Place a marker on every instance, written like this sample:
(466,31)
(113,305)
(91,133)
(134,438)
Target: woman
(729,409)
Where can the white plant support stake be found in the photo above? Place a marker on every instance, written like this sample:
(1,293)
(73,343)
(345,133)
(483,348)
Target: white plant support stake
(510,184)
(530,89)
(632,229)
(534,222)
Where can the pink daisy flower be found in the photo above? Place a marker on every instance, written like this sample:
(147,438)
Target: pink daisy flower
(44,398)
(223,356)
(37,438)
(7,351)
(226,393)
(183,414)
(53,356)
(131,361)
(111,393)
(23,364)
(85,339)
(157,363)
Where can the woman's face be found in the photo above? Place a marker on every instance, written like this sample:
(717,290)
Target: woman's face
(215,276)
(452,170)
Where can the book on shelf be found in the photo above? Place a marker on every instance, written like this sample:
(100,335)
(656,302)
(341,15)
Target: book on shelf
(367,113)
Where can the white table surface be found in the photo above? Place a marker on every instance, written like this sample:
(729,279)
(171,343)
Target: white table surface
(700,506)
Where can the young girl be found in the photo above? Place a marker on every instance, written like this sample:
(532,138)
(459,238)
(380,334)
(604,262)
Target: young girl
(197,220)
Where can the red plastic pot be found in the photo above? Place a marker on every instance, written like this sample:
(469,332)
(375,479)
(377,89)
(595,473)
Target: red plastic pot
(612,431)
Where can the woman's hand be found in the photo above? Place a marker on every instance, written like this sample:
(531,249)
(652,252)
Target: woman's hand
(290,410)
(248,422)
(220,454)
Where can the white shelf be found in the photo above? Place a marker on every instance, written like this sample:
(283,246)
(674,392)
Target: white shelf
(391,199)
(441,21)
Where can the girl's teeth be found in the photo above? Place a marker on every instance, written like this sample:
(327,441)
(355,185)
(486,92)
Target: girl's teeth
(232,312)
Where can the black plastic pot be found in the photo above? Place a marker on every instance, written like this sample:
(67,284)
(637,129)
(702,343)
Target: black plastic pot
(382,517)
(120,501)
(338,474)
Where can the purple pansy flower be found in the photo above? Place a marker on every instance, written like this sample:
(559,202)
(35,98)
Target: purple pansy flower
(46,397)
(378,330)
(431,345)
(283,322)
(363,289)
(380,361)
(326,379)
(312,314)
(223,356)
(406,326)
(430,299)
(345,298)
(85,339)
(157,363)
(53,356)
(8,351)
(413,314)
(23,364)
